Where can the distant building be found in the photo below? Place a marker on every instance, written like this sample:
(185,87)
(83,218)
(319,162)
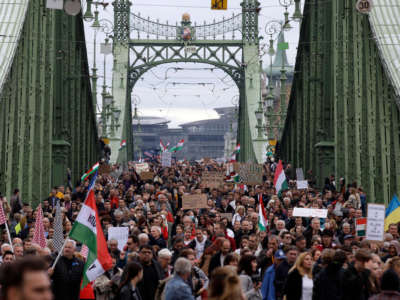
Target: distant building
(212,138)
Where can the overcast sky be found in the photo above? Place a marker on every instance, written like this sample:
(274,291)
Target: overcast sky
(174,98)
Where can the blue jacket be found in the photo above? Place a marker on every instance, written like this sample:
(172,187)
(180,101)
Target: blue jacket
(178,289)
(267,287)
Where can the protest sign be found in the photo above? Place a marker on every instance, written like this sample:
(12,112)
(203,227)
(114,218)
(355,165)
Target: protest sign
(141,167)
(361,226)
(212,179)
(302,184)
(375,222)
(227,215)
(194,201)
(299,174)
(120,234)
(166,159)
(250,173)
(105,169)
(147,175)
(310,212)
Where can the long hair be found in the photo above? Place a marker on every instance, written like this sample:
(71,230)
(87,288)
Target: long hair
(225,284)
(131,270)
(245,264)
(299,265)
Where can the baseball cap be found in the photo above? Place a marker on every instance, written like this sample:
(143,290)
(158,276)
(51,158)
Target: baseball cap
(279,254)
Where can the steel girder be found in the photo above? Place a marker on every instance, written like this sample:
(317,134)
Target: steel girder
(342,116)
(47,118)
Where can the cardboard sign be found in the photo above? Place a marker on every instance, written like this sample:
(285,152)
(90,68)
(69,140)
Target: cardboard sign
(302,184)
(310,212)
(105,169)
(375,222)
(120,234)
(142,167)
(227,215)
(194,201)
(250,173)
(145,175)
(212,179)
(166,159)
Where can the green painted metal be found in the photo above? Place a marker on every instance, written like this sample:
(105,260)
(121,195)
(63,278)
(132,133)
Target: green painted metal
(47,116)
(342,116)
(238,58)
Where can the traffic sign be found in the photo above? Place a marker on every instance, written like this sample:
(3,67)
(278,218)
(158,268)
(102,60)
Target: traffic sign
(364,6)
(219,4)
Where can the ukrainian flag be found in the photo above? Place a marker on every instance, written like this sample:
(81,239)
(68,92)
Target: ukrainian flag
(392,214)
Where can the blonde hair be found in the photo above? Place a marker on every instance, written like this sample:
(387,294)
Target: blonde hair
(299,265)
(225,284)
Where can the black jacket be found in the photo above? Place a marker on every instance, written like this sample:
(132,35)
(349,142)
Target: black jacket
(215,262)
(67,278)
(293,286)
(152,274)
(127,293)
(281,273)
(327,283)
(355,285)
(192,244)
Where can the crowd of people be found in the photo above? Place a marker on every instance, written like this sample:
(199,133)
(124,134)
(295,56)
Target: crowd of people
(216,252)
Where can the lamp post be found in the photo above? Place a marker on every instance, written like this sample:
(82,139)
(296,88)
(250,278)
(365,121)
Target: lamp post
(136,143)
(286,3)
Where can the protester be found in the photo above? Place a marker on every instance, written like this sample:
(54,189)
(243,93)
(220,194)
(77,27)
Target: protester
(225,285)
(128,287)
(177,288)
(25,279)
(299,283)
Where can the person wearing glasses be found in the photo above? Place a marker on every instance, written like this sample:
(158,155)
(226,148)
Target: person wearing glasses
(152,273)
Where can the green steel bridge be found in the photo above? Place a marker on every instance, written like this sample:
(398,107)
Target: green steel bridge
(342,117)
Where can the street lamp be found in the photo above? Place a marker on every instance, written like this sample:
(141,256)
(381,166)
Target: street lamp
(297,16)
(116,114)
(286,4)
(88,16)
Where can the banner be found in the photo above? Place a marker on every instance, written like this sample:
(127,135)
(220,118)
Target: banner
(375,222)
(194,201)
(147,175)
(310,212)
(142,167)
(120,234)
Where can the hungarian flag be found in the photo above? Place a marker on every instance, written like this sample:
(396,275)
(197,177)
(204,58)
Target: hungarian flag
(361,226)
(163,148)
(122,144)
(280,182)
(262,217)
(178,146)
(91,171)
(87,230)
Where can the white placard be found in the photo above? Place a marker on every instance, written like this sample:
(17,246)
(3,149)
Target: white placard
(166,158)
(375,222)
(302,184)
(310,212)
(120,234)
(55,4)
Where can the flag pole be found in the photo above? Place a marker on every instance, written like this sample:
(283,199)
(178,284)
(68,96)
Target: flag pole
(60,253)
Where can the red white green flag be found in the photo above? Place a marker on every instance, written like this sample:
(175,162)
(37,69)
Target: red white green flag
(91,171)
(178,146)
(235,152)
(122,144)
(280,181)
(87,230)
(262,216)
(361,226)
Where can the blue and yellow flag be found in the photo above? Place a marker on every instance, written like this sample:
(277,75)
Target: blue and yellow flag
(392,214)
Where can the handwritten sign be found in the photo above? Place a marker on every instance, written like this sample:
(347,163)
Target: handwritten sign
(212,179)
(227,215)
(194,201)
(120,234)
(105,169)
(302,184)
(250,173)
(310,212)
(166,159)
(375,222)
(142,167)
(147,175)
